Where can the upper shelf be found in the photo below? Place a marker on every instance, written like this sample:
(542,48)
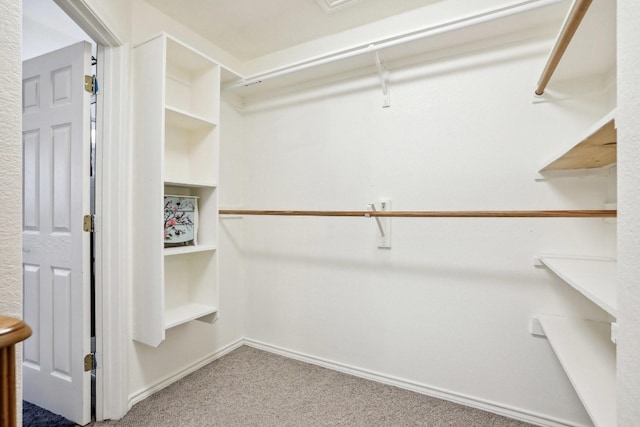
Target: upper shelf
(597,149)
(595,278)
(485,29)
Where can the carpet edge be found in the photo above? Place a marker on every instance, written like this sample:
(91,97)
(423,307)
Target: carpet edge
(485,405)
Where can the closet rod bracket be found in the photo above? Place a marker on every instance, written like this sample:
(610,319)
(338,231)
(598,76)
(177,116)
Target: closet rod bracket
(383,74)
(384,223)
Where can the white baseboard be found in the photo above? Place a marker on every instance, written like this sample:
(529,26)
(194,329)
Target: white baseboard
(493,407)
(167,381)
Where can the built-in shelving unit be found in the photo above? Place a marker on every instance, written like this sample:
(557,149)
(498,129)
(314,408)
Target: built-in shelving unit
(585,348)
(595,278)
(597,149)
(177,92)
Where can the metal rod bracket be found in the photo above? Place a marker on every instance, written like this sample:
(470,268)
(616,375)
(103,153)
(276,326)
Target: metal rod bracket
(383,74)
(384,223)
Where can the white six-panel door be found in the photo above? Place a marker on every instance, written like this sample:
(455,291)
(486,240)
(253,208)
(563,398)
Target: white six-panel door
(56,270)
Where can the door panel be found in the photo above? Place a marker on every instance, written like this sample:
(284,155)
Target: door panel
(56,270)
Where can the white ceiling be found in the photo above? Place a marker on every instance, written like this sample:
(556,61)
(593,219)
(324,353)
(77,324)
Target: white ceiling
(248,29)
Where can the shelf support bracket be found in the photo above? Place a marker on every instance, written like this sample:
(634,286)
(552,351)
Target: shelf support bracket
(384,223)
(383,74)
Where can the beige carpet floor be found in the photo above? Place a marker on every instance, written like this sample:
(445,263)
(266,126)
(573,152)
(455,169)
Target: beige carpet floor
(249,387)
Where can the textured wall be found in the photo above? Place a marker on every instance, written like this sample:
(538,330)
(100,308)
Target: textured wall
(10,164)
(628,122)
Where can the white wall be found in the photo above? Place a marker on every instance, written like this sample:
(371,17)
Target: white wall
(628,123)
(11,172)
(448,307)
(10,161)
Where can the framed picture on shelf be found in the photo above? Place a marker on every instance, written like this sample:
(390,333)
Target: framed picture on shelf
(180,221)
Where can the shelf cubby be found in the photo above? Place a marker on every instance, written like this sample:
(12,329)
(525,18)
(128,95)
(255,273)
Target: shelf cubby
(188,294)
(191,149)
(207,211)
(188,81)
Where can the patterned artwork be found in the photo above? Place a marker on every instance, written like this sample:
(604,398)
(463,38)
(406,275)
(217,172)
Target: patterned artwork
(180,213)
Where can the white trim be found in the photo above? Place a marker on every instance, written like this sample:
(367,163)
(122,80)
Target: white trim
(112,179)
(92,24)
(176,376)
(485,405)
(112,249)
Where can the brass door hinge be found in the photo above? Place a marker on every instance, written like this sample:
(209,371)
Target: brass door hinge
(88,224)
(89,362)
(90,84)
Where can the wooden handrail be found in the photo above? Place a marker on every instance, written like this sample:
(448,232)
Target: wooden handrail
(432,214)
(12,331)
(571,24)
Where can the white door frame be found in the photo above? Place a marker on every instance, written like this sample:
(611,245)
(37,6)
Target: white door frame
(112,278)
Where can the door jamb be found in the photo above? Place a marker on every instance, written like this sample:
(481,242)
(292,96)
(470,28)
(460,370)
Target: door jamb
(112,214)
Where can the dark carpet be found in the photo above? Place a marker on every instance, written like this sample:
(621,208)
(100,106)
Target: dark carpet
(35,416)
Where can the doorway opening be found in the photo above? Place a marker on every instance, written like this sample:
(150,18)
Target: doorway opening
(47,29)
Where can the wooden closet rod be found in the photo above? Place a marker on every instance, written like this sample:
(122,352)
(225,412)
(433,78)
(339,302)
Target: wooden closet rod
(434,214)
(571,23)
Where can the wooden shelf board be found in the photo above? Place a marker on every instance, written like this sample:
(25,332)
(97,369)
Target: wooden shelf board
(180,250)
(185,313)
(598,149)
(185,120)
(588,356)
(595,278)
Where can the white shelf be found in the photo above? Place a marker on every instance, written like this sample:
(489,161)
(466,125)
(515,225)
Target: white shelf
(180,250)
(588,356)
(186,313)
(194,184)
(185,120)
(595,278)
